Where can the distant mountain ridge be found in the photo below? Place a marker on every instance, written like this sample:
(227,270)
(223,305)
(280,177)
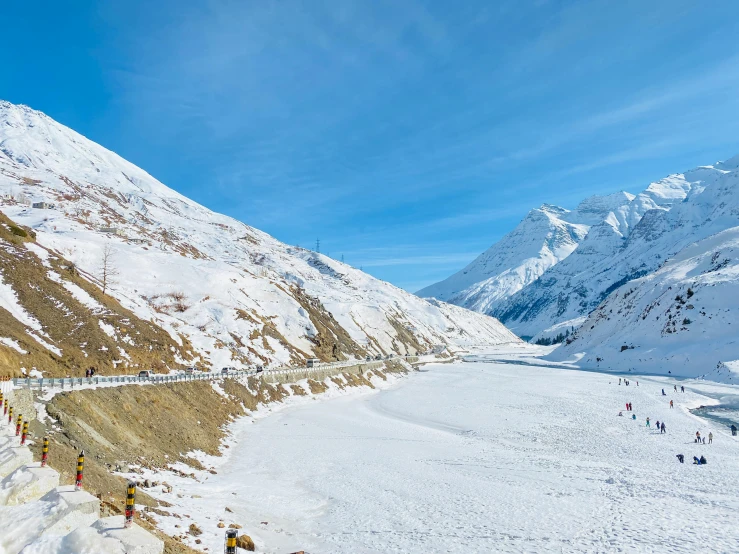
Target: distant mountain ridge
(610,255)
(653,286)
(546,236)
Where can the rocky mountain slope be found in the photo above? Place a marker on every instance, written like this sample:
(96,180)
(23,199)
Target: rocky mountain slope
(222,292)
(546,236)
(546,276)
(630,243)
(681,319)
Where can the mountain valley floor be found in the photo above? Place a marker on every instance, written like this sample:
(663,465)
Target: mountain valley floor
(481,457)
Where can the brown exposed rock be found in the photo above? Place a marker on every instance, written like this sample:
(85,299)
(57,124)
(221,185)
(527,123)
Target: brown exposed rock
(194,530)
(245,542)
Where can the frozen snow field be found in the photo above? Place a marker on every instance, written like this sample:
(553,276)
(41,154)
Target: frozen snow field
(483,457)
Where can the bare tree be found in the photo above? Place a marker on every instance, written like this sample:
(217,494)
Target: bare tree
(108,269)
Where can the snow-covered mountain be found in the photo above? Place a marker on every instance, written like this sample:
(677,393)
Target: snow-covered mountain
(545,237)
(621,248)
(225,292)
(681,319)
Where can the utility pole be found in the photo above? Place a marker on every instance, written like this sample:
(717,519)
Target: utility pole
(318,245)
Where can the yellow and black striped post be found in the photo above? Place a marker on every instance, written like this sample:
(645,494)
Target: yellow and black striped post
(130,504)
(10,415)
(45,452)
(2,400)
(80,468)
(25,433)
(18,425)
(230,541)
(5,408)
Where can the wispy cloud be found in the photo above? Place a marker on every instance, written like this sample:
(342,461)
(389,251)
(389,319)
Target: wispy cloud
(367,121)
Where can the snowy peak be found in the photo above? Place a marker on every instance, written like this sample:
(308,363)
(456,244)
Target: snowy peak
(546,236)
(633,242)
(596,208)
(543,237)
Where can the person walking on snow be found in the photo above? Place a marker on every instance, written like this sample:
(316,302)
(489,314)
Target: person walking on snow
(675,387)
(662,429)
(619,380)
(631,409)
(627,406)
(663,392)
(733,430)
(648,423)
(710,437)
(682,388)
(671,404)
(697,436)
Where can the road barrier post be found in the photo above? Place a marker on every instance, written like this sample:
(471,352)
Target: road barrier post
(18,425)
(45,452)
(231,535)
(130,504)
(80,468)
(25,433)
(10,415)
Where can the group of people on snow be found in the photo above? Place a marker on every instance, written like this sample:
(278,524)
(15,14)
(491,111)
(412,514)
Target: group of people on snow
(663,429)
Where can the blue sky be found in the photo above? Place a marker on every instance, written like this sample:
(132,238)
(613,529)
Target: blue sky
(408,135)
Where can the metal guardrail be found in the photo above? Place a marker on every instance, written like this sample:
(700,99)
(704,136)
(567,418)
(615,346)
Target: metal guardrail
(72,382)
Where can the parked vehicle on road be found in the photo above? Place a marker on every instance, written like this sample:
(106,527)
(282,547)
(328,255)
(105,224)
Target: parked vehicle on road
(260,369)
(145,374)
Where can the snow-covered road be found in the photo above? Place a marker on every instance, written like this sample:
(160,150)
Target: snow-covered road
(483,457)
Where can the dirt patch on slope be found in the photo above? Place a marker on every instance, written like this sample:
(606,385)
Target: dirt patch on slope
(82,332)
(151,426)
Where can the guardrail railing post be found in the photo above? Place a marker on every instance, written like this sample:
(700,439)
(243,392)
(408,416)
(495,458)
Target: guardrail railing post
(80,469)
(24,434)
(231,535)
(130,504)
(45,452)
